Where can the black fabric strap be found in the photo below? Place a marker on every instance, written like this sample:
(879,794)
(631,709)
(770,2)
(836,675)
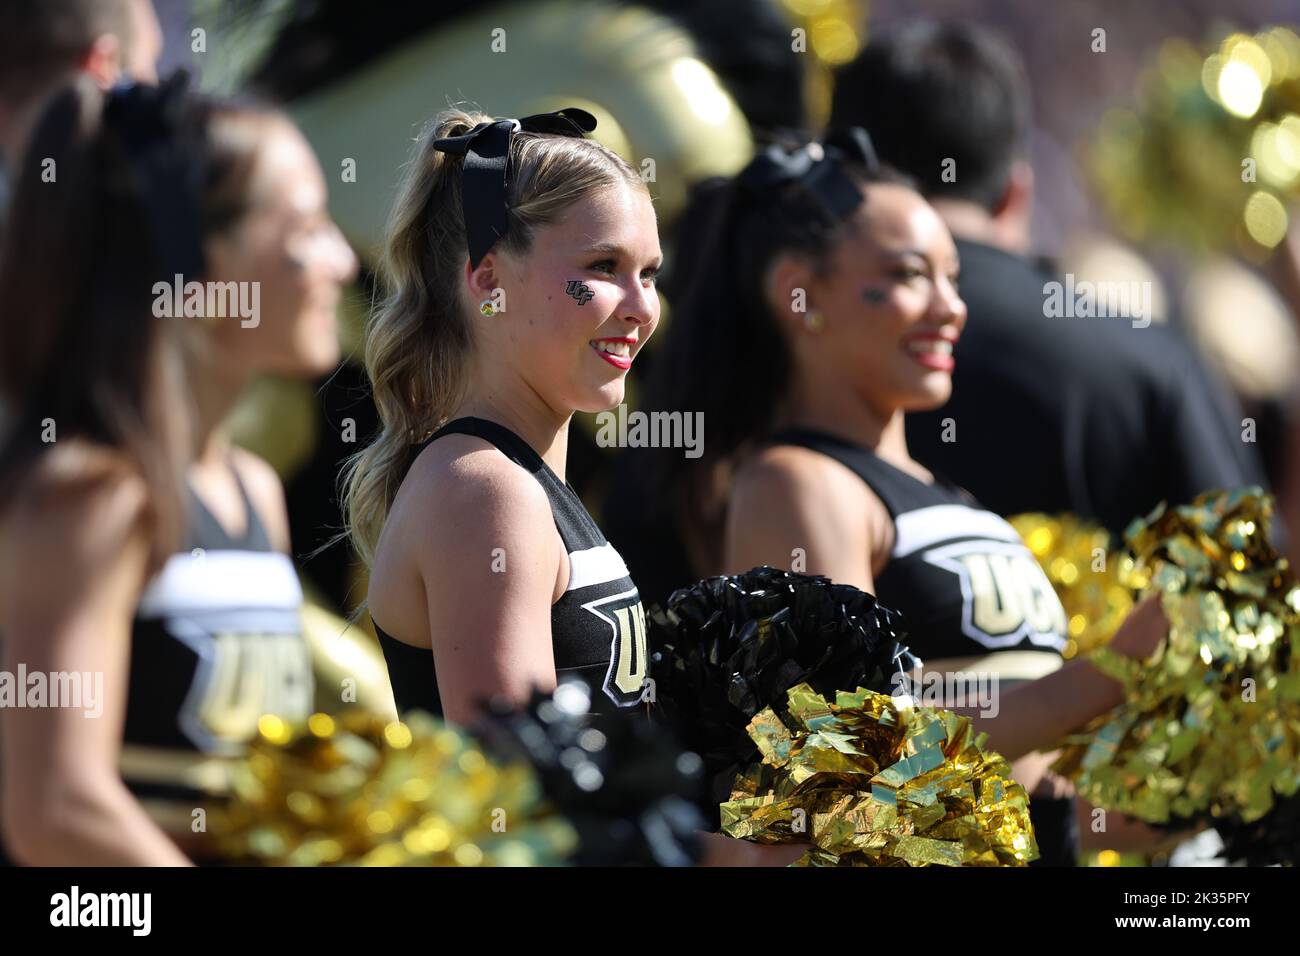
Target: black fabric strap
(898,490)
(206,532)
(510,444)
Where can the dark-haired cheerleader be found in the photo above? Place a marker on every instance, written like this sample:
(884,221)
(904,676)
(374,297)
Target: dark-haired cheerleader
(830,286)
(143,565)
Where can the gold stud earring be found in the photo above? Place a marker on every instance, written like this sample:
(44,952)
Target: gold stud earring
(487,307)
(814,321)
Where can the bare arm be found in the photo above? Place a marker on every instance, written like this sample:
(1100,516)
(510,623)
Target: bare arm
(74,566)
(490,575)
(785,501)
(786,505)
(1036,715)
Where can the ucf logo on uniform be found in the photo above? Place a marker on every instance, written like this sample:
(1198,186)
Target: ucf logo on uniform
(628,664)
(1006,597)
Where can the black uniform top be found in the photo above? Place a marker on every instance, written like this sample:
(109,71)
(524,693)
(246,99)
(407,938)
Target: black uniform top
(967,587)
(1084,415)
(963,579)
(597,626)
(216,644)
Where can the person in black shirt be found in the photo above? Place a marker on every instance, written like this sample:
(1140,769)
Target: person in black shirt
(1095,416)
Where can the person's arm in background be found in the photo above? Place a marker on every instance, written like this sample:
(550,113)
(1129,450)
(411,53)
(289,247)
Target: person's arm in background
(1035,715)
(73,566)
(1284,269)
(1200,425)
(1289,493)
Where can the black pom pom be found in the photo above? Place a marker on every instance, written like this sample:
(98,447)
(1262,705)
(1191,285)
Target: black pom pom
(1272,840)
(729,646)
(623,781)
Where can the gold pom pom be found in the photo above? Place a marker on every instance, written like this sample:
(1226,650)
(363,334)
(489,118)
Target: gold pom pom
(1211,724)
(357,789)
(870,783)
(1208,154)
(1077,558)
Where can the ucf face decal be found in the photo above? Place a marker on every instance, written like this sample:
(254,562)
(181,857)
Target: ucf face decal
(1006,597)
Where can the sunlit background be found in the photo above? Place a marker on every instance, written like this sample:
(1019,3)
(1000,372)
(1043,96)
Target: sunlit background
(1144,115)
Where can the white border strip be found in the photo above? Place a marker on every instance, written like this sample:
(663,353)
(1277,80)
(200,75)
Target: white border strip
(595,566)
(915,530)
(190,583)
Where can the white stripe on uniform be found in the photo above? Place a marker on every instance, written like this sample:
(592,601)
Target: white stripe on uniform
(595,566)
(915,530)
(213,580)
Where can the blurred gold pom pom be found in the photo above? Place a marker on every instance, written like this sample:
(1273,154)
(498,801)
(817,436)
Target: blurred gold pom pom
(871,783)
(1210,728)
(357,789)
(1077,558)
(1208,155)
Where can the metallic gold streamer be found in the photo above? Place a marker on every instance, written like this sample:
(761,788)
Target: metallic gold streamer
(1210,728)
(1077,558)
(870,783)
(1208,155)
(356,789)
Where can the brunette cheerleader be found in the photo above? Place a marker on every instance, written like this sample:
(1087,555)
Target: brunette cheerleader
(831,286)
(135,543)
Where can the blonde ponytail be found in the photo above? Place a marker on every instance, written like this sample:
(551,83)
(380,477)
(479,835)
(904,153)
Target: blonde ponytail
(421,337)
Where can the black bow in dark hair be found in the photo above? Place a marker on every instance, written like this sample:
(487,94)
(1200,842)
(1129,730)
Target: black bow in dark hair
(817,168)
(486,149)
(163,164)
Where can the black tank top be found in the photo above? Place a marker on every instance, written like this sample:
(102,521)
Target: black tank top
(961,575)
(216,644)
(597,626)
(968,588)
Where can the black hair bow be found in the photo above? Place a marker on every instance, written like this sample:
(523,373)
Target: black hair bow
(164,166)
(817,168)
(486,149)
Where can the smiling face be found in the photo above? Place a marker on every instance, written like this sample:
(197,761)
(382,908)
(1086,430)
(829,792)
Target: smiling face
(287,244)
(580,304)
(889,301)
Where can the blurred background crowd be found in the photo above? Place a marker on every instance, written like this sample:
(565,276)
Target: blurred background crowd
(1124,130)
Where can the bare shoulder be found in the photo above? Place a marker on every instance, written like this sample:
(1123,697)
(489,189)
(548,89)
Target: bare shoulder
(790,483)
(789,476)
(74,483)
(469,491)
(256,473)
(80,506)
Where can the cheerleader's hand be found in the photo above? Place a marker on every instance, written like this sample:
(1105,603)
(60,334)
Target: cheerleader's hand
(722,850)
(1142,631)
